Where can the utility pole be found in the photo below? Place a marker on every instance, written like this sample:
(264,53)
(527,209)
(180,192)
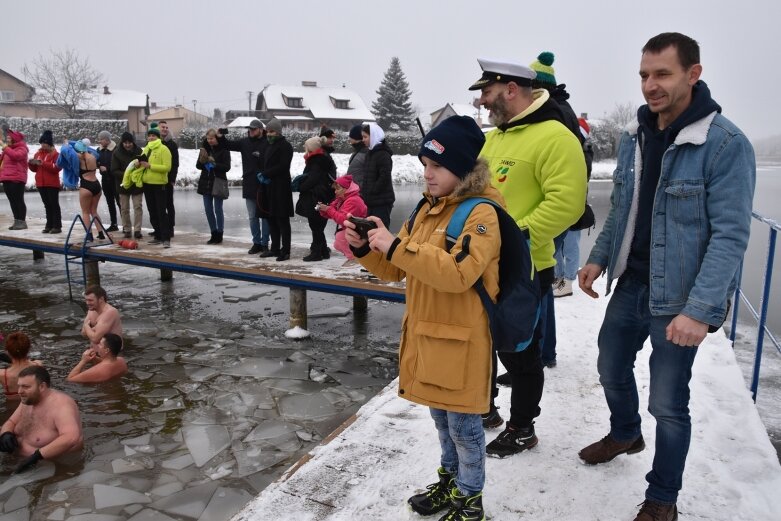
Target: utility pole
(249,93)
(195,102)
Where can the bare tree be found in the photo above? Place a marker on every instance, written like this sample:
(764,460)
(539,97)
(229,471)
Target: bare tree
(63,79)
(622,114)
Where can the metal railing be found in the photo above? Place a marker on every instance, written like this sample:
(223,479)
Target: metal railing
(761,315)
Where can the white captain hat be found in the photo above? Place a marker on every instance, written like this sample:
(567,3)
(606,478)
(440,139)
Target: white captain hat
(503,71)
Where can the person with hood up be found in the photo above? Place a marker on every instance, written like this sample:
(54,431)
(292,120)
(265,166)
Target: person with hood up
(214,161)
(320,172)
(445,351)
(13,175)
(377,187)
(120,159)
(357,162)
(47,181)
(347,202)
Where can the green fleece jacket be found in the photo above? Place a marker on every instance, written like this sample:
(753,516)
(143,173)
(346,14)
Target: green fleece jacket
(538,165)
(159,163)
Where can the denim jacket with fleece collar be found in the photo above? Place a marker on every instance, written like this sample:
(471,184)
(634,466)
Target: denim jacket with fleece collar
(700,223)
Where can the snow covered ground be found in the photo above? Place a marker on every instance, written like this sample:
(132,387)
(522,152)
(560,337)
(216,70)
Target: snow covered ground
(390,451)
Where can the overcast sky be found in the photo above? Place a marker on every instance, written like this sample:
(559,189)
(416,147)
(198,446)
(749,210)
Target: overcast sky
(216,51)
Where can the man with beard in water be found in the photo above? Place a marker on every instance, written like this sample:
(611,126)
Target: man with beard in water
(46,425)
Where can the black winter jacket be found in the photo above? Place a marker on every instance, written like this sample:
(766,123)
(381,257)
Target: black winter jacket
(174,148)
(252,150)
(316,186)
(276,198)
(222,163)
(377,188)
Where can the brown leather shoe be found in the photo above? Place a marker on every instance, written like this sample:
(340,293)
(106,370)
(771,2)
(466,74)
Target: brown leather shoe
(607,448)
(653,511)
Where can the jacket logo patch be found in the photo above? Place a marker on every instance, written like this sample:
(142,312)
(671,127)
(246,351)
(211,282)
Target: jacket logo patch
(481,228)
(502,173)
(435,146)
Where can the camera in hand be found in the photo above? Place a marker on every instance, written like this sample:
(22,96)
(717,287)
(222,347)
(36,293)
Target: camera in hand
(362,226)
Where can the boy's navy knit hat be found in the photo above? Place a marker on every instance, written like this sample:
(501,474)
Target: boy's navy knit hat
(355,133)
(455,144)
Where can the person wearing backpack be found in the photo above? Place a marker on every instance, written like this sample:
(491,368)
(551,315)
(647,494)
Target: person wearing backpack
(445,357)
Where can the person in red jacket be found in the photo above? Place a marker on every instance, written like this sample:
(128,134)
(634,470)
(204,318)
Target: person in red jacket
(13,175)
(347,201)
(47,180)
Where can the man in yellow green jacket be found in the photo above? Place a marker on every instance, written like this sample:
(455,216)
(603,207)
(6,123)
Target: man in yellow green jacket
(537,164)
(155,180)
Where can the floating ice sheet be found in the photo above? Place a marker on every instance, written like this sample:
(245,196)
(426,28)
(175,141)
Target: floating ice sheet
(150,515)
(20,498)
(253,460)
(43,470)
(106,496)
(271,429)
(188,503)
(179,462)
(205,441)
(306,407)
(268,368)
(225,503)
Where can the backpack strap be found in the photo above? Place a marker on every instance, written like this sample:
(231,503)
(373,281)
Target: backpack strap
(414,214)
(458,219)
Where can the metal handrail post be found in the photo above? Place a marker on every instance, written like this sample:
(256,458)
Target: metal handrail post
(736,299)
(771,249)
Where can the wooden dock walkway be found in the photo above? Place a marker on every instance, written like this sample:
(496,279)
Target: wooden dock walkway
(189,253)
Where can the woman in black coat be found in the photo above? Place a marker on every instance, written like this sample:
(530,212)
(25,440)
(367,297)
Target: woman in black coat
(275,197)
(377,188)
(214,161)
(315,187)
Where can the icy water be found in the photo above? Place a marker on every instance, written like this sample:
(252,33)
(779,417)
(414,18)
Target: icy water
(217,403)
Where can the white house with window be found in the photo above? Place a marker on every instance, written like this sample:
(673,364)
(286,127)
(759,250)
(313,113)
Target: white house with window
(307,107)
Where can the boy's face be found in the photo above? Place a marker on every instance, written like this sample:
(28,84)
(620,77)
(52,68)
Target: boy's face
(439,180)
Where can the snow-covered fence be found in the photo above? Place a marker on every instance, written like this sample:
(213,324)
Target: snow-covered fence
(32,128)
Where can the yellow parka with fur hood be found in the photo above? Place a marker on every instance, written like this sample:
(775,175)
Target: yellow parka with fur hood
(445,351)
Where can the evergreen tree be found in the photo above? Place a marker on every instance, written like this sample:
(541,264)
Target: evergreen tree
(392,108)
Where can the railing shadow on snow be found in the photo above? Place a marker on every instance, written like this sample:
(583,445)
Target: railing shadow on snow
(759,316)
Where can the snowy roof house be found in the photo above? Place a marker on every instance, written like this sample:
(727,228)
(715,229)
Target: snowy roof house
(308,106)
(457,109)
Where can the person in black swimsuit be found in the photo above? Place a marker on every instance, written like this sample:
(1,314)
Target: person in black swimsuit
(89,189)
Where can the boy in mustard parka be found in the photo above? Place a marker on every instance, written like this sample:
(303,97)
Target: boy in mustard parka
(445,351)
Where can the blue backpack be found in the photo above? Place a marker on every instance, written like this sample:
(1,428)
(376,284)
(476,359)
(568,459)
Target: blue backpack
(514,316)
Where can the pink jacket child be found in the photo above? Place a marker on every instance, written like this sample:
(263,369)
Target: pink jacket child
(14,159)
(348,201)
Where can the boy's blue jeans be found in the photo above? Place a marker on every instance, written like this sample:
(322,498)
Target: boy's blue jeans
(567,254)
(462,439)
(628,323)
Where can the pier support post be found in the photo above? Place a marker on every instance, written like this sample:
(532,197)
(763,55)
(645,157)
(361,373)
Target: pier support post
(166,274)
(93,272)
(297,308)
(37,255)
(360,304)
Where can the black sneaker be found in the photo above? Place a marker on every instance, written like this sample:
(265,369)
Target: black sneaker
(137,235)
(55,230)
(112,228)
(283,257)
(313,257)
(492,419)
(436,497)
(465,508)
(269,253)
(512,441)
(256,248)
(504,379)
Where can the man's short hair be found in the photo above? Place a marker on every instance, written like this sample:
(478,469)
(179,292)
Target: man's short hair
(113,342)
(687,48)
(97,291)
(18,345)
(162,121)
(40,373)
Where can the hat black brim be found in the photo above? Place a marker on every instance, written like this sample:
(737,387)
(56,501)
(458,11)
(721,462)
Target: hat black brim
(482,82)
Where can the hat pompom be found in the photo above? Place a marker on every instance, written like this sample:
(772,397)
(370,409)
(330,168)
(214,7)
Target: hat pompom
(546,58)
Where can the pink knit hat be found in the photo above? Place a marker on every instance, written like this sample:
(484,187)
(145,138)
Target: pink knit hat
(345,181)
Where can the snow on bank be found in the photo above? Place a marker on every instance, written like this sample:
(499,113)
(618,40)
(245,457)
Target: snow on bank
(406,168)
(390,451)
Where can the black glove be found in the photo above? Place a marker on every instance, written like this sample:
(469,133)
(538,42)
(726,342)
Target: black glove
(29,462)
(8,442)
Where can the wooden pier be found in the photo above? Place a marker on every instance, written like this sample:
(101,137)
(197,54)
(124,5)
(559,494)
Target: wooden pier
(189,253)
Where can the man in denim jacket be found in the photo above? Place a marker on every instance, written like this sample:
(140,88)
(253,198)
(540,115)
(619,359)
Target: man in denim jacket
(676,232)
